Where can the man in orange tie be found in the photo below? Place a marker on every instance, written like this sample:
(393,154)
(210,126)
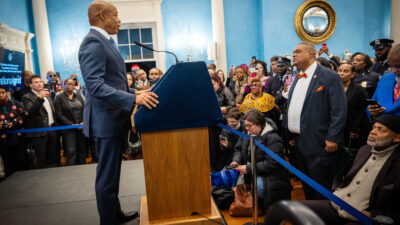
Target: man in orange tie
(316,118)
(387,93)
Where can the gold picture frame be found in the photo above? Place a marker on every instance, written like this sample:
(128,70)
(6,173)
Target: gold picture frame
(298,21)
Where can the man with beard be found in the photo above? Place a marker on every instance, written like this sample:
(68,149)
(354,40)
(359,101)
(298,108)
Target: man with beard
(382,48)
(275,84)
(372,185)
(387,93)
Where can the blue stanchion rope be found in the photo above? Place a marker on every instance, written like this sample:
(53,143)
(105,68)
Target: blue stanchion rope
(325,192)
(44,129)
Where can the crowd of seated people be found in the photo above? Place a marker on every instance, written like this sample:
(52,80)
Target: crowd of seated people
(253,100)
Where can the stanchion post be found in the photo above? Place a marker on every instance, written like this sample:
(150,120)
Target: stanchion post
(253,170)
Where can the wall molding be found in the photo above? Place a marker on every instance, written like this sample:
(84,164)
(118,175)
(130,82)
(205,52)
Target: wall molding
(140,12)
(17,40)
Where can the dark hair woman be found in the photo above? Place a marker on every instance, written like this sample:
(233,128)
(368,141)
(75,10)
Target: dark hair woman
(69,110)
(357,126)
(364,77)
(224,95)
(272,179)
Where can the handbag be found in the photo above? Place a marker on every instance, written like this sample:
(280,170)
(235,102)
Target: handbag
(243,203)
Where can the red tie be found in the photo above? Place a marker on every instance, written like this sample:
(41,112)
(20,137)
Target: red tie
(396,92)
(299,76)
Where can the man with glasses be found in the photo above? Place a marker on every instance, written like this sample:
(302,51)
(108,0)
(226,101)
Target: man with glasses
(387,93)
(52,84)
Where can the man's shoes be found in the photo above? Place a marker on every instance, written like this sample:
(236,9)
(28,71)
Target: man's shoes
(125,217)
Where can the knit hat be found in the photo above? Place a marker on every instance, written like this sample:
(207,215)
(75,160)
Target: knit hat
(391,121)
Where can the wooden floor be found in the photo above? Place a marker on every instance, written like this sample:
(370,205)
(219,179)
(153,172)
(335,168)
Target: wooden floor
(297,194)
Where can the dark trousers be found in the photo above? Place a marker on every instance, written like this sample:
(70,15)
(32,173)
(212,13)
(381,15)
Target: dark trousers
(45,150)
(74,146)
(319,168)
(109,152)
(327,213)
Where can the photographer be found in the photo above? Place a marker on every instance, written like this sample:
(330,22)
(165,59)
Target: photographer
(53,85)
(41,114)
(77,85)
(227,139)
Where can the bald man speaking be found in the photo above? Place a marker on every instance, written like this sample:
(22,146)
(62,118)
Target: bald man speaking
(108,106)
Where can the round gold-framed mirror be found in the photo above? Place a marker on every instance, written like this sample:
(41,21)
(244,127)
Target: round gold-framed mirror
(315,21)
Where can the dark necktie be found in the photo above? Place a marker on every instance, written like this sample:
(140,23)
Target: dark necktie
(113,43)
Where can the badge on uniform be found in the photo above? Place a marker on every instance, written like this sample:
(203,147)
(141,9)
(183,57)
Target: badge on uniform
(364,84)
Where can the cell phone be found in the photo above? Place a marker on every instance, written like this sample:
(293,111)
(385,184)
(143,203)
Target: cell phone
(324,44)
(372,102)
(222,137)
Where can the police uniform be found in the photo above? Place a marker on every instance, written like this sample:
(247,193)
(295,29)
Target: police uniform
(368,80)
(381,65)
(275,84)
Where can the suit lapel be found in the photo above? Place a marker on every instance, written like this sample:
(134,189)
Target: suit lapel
(314,78)
(110,46)
(291,89)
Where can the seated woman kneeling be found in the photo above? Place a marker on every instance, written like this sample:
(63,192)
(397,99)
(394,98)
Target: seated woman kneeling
(272,179)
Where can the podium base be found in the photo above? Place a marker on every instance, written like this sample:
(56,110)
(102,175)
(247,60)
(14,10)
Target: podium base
(190,220)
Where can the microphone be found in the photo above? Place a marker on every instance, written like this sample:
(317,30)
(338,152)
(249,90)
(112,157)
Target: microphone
(148,48)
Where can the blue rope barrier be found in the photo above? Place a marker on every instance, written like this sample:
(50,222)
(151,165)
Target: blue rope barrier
(44,129)
(325,192)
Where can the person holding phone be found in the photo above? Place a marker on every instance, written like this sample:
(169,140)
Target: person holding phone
(41,113)
(227,139)
(388,90)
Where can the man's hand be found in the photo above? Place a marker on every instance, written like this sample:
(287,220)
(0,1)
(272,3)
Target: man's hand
(148,99)
(330,146)
(223,142)
(375,110)
(44,93)
(242,169)
(234,164)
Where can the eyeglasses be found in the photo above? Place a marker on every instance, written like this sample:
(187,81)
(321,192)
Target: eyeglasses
(248,125)
(255,85)
(52,75)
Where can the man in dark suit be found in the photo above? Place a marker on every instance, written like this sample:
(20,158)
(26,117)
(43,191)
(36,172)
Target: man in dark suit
(41,113)
(108,106)
(372,185)
(316,117)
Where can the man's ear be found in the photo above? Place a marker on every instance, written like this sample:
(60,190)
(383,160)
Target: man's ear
(396,138)
(102,16)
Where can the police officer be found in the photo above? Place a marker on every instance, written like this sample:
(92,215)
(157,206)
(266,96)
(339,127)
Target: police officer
(275,84)
(382,48)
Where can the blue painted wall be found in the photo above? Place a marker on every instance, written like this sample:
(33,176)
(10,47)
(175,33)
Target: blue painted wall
(18,14)
(242,33)
(186,20)
(358,23)
(67,21)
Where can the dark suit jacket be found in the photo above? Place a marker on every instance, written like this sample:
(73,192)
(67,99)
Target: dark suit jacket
(385,194)
(324,112)
(357,120)
(108,102)
(37,114)
(64,113)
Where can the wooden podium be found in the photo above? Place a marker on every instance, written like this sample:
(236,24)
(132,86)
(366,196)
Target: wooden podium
(176,148)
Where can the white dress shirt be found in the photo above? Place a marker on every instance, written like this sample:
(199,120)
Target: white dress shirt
(48,109)
(102,32)
(298,98)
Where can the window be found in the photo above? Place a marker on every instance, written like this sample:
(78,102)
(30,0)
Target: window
(132,52)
